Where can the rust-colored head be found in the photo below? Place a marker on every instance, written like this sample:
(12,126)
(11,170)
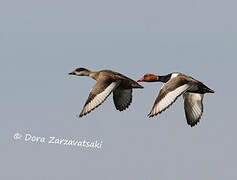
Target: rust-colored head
(148,77)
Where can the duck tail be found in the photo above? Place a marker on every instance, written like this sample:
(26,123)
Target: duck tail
(136,85)
(208,90)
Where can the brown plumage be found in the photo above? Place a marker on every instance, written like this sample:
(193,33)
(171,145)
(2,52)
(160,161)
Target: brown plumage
(177,84)
(107,82)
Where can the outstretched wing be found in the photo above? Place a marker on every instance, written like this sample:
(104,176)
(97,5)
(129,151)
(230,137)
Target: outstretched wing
(168,95)
(100,91)
(193,107)
(122,98)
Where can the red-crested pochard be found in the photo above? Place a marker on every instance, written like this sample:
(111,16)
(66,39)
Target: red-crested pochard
(175,85)
(107,82)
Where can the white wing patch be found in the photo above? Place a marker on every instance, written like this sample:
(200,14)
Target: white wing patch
(174,75)
(122,98)
(168,100)
(193,107)
(99,98)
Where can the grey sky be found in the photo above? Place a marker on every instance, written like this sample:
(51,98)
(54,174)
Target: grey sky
(40,42)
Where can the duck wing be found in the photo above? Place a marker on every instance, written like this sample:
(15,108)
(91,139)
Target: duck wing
(127,82)
(193,107)
(99,93)
(122,98)
(169,94)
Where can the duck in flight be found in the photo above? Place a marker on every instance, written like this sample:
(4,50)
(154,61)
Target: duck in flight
(107,82)
(175,85)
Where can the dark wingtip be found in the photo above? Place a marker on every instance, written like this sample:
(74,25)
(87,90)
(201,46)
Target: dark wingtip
(150,115)
(193,125)
(81,115)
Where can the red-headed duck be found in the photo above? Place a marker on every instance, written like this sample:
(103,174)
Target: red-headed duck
(177,84)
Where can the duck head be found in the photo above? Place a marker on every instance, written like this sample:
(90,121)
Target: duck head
(148,77)
(80,72)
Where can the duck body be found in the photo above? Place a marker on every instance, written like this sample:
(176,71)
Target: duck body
(107,82)
(177,79)
(175,85)
(125,83)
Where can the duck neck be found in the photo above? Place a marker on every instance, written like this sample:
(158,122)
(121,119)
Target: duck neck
(94,75)
(165,78)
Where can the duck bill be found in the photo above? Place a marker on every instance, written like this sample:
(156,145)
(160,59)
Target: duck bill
(140,80)
(71,73)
